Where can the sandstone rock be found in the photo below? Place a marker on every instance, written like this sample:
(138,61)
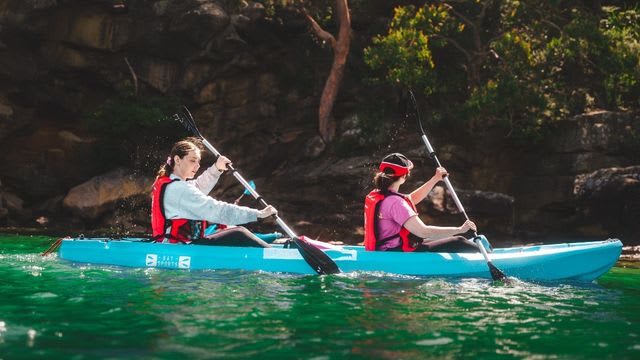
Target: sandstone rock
(71,138)
(253,10)
(201,22)
(15,12)
(7,120)
(67,56)
(101,193)
(92,29)
(6,111)
(611,197)
(355,167)
(350,122)
(267,86)
(599,183)
(13,203)
(50,206)
(489,210)
(237,92)
(210,93)
(195,75)
(160,7)
(240,21)
(160,74)
(314,147)
(600,131)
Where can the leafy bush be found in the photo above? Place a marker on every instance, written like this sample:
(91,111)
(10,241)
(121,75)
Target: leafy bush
(526,63)
(125,123)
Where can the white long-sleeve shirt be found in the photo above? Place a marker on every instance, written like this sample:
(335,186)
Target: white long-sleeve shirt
(189,200)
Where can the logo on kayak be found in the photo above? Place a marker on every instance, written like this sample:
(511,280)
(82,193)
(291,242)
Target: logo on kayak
(168,261)
(151,260)
(184,262)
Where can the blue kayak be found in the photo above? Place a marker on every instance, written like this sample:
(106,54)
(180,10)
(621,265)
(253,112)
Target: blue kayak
(583,261)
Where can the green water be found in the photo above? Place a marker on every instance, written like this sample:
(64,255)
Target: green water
(51,309)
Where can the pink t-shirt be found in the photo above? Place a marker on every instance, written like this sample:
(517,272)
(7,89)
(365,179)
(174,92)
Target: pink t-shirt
(394,212)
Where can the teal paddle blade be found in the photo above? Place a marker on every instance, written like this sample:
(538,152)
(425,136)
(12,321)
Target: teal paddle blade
(253,186)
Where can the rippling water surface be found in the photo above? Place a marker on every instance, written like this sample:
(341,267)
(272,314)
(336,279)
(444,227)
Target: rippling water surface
(56,310)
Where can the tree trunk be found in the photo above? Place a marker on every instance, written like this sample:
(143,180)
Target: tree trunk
(326,125)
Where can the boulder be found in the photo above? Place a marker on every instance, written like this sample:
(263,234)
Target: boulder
(13,203)
(100,194)
(160,74)
(200,22)
(92,28)
(314,147)
(488,209)
(15,12)
(3,214)
(610,198)
(7,121)
(602,131)
(253,10)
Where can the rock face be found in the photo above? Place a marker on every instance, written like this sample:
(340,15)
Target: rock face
(101,194)
(581,145)
(610,198)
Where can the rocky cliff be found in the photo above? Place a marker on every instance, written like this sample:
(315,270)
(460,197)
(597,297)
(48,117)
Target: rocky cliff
(253,82)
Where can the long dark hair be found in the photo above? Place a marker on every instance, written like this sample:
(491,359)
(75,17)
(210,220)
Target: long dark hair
(383,179)
(181,148)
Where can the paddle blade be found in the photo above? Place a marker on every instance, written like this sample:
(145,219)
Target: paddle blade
(316,258)
(252,185)
(496,274)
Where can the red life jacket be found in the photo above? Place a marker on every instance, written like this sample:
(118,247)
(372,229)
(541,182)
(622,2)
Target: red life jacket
(371,210)
(173,230)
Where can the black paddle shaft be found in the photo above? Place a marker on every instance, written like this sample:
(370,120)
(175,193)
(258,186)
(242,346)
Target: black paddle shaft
(496,274)
(316,258)
(252,191)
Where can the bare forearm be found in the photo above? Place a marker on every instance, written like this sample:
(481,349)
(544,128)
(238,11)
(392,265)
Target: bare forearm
(417,227)
(439,232)
(420,193)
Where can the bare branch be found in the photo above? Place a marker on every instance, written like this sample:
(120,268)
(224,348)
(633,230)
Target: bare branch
(320,32)
(455,44)
(459,15)
(133,75)
(553,25)
(483,12)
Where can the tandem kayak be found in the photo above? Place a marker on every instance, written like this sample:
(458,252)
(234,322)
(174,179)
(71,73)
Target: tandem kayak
(583,261)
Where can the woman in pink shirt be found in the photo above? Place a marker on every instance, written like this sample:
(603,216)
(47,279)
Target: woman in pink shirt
(392,222)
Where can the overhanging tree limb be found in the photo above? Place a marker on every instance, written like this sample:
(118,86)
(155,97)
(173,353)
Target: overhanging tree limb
(340,46)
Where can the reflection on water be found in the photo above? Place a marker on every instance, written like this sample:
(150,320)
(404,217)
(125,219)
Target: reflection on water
(53,309)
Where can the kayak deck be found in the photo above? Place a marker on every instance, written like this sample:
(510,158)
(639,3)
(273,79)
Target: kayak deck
(583,261)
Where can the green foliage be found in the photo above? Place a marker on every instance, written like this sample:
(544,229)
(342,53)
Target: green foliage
(125,122)
(404,55)
(622,29)
(526,63)
(271,6)
(127,116)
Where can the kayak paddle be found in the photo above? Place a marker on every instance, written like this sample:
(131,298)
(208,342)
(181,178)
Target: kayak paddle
(245,192)
(496,273)
(316,258)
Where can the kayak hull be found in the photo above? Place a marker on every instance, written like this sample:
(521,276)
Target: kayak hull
(584,261)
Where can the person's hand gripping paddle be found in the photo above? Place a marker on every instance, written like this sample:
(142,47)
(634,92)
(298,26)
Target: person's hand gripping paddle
(316,258)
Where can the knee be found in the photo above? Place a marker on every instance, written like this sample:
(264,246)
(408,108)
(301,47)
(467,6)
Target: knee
(244,230)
